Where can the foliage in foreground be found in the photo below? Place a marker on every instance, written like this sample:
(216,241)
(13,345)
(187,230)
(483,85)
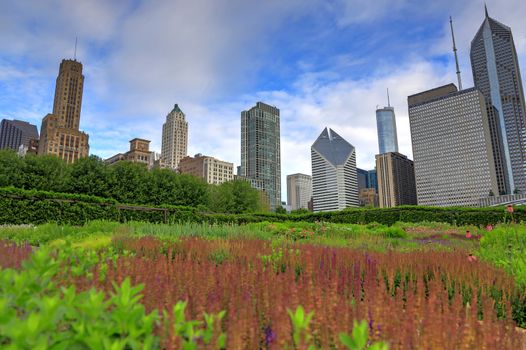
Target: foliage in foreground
(443,295)
(506,248)
(37,311)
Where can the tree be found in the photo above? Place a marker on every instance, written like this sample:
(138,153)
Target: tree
(89,176)
(11,169)
(281,210)
(191,191)
(47,173)
(491,194)
(164,187)
(128,183)
(234,197)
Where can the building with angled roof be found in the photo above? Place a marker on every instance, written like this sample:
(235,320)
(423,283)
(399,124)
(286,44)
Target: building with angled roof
(174,145)
(334,176)
(16,133)
(261,150)
(497,75)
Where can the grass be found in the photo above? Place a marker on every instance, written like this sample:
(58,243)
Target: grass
(373,237)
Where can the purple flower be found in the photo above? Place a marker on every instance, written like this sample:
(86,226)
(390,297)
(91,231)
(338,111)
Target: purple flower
(370,321)
(270,336)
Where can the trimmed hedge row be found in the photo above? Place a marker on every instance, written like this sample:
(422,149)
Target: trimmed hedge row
(19,206)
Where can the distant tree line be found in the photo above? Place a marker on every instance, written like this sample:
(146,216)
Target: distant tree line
(126,182)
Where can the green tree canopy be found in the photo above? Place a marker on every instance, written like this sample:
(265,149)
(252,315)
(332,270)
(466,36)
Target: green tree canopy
(89,176)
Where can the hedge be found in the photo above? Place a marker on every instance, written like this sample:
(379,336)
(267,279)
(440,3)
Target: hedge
(18,206)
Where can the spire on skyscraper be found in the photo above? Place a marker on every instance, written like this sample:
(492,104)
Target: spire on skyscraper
(486,9)
(455,52)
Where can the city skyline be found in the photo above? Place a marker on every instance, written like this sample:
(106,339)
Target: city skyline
(313,92)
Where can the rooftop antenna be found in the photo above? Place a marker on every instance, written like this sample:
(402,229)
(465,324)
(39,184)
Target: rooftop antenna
(455,52)
(75,55)
(388,100)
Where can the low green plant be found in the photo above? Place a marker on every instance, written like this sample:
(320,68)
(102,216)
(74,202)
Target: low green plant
(193,332)
(302,339)
(36,314)
(359,338)
(300,328)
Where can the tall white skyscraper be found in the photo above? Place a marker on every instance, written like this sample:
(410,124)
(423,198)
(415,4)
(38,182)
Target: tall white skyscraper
(334,177)
(175,138)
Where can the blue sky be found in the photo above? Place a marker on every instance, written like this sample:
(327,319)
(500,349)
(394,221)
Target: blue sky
(323,63)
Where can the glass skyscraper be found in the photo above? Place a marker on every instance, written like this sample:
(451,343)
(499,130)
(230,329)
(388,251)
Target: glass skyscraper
(386,125)
(496,74)
(260,150)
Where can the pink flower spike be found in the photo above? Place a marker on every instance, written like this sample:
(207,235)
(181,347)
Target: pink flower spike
(509,208)
(489,227)
(468,234)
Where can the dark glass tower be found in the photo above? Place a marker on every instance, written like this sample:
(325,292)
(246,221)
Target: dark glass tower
(260,149)
(14,133)
(496,74)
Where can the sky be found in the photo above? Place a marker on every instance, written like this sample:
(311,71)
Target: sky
(322,63)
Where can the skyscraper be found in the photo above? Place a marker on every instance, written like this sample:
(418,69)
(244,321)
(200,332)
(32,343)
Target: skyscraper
(299,191)
(260,149)
(334,177)
(14,133)
(175,138)
(363,177)
(386,125)
(372,179)
(396,182)
(496,74)
(451,147)
(59,133)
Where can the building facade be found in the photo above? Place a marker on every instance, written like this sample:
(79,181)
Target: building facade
(372,179)
(396,180)
(368,197)
(261,150)
(59,133)
(139,153)
(334,176)
(16,133)
(175,138)
(210,169)
(497,75)
(453,157)
(299,191)
(386,126)
(363,178)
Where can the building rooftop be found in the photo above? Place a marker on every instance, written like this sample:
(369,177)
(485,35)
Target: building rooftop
(333,147)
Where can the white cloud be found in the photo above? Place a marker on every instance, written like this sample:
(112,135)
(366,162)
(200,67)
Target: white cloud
(142,57)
